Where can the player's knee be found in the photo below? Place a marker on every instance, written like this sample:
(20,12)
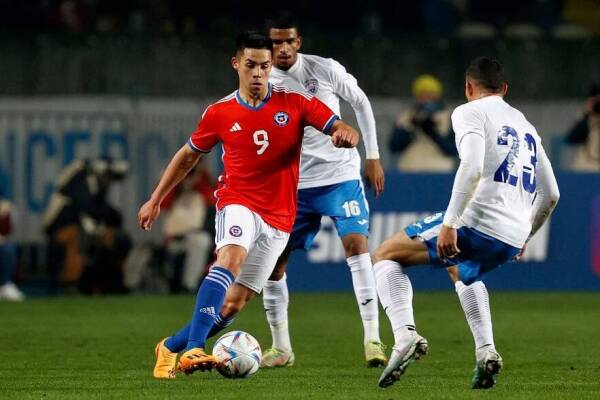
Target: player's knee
(231,257)
(355,244)
(381,253)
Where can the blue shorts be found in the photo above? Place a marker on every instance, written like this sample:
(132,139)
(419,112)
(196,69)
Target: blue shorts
(479,253)
(344,202)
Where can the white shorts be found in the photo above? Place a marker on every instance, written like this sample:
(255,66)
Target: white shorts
(235,224)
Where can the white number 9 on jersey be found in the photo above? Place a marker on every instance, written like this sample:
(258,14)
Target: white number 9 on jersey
(261,138)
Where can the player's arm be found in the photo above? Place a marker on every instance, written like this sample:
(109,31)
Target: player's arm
(472,150)
(315,113)
(343,135)
(346,86)
(547,193)
(179,166)
(546,198)
(201,141)
(468,126)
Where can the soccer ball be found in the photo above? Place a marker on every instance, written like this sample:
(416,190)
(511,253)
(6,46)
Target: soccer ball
(238,354)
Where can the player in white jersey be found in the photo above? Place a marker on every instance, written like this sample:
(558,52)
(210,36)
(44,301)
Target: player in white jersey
(330,185)
(503,192)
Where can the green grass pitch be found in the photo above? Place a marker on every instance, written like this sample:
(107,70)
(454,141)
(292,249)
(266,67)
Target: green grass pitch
(74,348)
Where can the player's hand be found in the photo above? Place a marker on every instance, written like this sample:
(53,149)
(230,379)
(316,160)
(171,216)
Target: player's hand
(521,253)
(374,175)
(148,214)
(344,135)
(447,243)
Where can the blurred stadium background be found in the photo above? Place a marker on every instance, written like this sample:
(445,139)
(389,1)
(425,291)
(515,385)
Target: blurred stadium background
(128,80)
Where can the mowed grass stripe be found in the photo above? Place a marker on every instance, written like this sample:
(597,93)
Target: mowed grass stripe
(73,348)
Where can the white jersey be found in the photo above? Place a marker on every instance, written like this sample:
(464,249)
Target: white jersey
(502,203)
(322,163)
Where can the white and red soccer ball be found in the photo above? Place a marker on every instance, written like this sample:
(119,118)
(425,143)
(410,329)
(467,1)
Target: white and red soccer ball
(238,354)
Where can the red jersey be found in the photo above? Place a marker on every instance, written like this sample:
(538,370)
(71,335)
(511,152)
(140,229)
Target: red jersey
(261,149)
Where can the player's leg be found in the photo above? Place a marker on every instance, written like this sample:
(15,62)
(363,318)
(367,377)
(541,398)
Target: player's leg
(347,205)
(235,300)
(365,291)
(484,253)
(209,300)
(276,295)
(236,231)
(258,266)
(475,303)
(276,303)
(410,247)
(474,300)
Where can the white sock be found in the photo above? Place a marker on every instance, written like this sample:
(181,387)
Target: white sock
(395,293)
(476,305)
(363,280)
(276,299)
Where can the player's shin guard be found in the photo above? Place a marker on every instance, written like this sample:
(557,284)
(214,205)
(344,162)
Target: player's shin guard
(363,281)
(208,303)
(476,305)
(395,293)
(276,300)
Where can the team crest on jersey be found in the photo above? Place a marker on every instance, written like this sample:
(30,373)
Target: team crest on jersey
(311,85)
(281,118)
(235,231)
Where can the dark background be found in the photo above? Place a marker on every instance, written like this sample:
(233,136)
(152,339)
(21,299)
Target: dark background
(182,48)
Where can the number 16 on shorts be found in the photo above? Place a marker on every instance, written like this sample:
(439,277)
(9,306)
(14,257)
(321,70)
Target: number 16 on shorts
(351,208)
(355,218)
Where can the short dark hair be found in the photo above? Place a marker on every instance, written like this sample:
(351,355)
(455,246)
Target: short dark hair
(282,20)
(252,40)
(487,72)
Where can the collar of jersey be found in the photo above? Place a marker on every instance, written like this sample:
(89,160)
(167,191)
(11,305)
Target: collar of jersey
(293,69)
(250,107)
(297,65)
(491,97)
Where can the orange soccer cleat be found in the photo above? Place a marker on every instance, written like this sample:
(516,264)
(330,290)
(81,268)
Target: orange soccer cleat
(196,360)
(165,361)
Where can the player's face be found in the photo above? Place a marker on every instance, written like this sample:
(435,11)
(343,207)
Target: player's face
(253,67)
(286,44)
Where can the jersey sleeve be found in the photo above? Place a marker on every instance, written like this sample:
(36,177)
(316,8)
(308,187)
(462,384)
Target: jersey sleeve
(547,192)
(466,121)
(318,115)
(346,86)
(206,135)
(467,178)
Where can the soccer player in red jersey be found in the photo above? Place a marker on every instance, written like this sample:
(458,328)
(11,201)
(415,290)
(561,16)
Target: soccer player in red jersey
(261,128)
